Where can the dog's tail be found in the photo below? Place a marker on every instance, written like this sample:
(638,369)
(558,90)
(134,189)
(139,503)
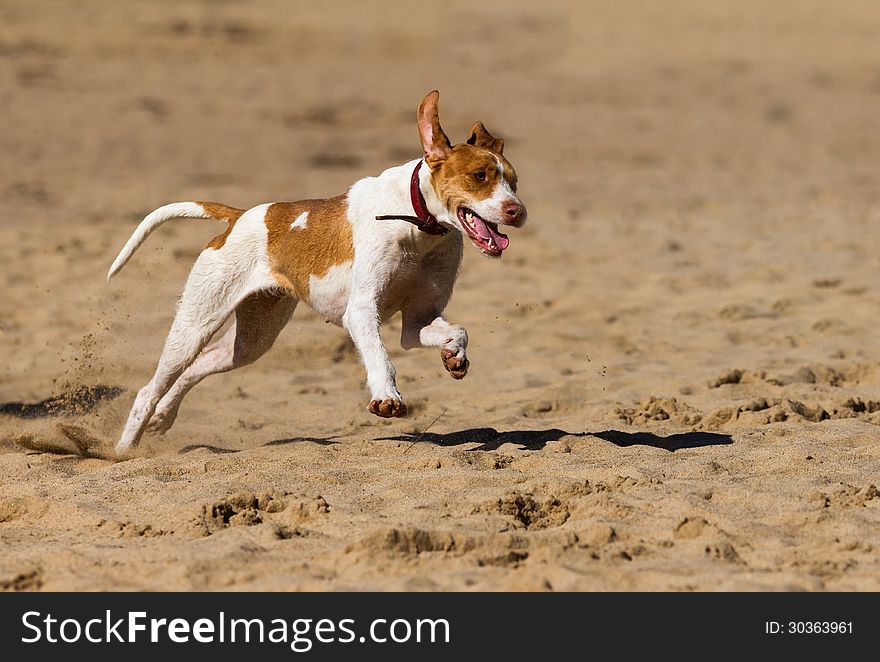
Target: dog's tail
(203,210)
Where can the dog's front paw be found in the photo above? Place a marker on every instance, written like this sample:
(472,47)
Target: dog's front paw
(457,366)
(388,408)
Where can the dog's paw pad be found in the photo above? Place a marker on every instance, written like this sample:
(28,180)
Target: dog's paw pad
(457,367)
(387,408)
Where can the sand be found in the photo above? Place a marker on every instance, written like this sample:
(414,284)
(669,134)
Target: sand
(675,379)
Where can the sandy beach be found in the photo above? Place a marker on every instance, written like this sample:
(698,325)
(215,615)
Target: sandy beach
(675,368)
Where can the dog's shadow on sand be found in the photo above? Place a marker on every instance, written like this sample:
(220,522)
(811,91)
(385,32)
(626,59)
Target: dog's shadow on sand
(490,439)
(218,450)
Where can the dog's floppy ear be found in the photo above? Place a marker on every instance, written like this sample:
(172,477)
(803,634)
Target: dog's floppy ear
(480,137)
(434,142)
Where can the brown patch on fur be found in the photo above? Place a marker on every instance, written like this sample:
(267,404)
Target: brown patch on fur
(296,254)
(222,213)
(456,181)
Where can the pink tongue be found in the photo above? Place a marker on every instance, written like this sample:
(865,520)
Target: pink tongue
(501,240)
(485,231)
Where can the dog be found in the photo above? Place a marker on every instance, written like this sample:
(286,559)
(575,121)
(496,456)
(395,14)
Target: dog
(392,243)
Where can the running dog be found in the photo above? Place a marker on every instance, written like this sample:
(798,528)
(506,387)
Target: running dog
(392,243)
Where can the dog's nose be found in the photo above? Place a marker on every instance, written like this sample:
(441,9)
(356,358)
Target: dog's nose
(513,212)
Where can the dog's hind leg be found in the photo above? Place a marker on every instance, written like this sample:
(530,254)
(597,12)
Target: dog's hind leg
(219,281)
(259,319)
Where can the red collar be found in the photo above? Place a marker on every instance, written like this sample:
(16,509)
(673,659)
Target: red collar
(423,220)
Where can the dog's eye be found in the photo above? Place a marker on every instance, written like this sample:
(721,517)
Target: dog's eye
(480,176)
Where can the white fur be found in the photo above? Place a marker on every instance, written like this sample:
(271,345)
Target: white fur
(396,268)
(328,294)
(301,221)
(153,220)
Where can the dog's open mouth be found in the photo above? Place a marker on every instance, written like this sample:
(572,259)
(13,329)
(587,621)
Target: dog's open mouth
(484,234)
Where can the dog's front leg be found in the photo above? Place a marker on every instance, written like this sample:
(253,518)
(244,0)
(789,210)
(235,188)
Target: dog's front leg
(452,340)
(361,320)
